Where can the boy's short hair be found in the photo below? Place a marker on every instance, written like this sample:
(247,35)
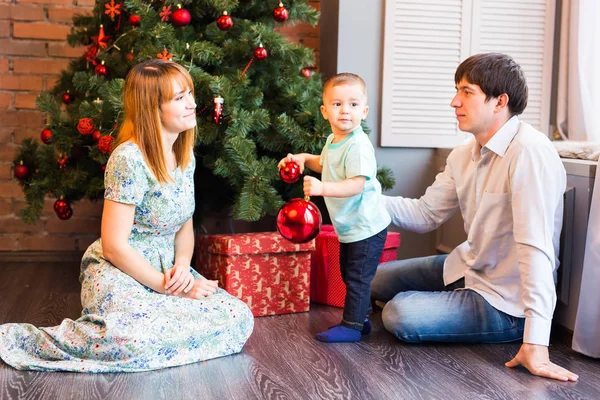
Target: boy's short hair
(345,78)
(495,74)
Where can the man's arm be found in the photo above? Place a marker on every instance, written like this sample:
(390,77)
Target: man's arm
(538,182)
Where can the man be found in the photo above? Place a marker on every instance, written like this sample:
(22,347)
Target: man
(508,182)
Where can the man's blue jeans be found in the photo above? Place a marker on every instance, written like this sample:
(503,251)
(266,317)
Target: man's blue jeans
(420,308)
(358,263)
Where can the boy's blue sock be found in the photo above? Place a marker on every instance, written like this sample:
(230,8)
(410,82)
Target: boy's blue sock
(366,327)
(339,333)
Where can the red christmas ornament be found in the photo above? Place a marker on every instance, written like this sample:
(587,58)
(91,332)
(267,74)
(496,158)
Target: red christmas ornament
(100,69)
(135,20)
(181,17)
(225,22)
(21,171)
(290,172)
(46,136)
(299,221)
(85,126)
(281,13)
(96,135)
(105,144)
(129,56)
(63,209)
(218,110)
(260,53)
(62,161)
(307,72)
(67,98)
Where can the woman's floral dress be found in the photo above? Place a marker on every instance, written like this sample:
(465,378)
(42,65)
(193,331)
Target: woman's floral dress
(125,326)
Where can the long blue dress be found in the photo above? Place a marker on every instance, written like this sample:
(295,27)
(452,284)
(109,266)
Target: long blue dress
(125,326)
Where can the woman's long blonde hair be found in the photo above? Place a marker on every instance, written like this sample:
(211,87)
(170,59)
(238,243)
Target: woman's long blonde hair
(147,86)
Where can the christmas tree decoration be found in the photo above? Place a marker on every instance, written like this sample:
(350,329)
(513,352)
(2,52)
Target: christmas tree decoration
(63,209)
(290,172)
(218,109)
(129,56)
(224,22)
(165,55)
(112,9)
(101,40)
(135,20)
(105,144)
(85,126)
(98,102)
(306,72)
(46,136)
(299,220)
(165,14)
(62,161)
(281,13)
(96,135)
(181,17)
(21,171)
(260,53)
(100,69)
(67,98)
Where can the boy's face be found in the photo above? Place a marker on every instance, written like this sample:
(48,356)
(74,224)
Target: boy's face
(344,106)
(474,114)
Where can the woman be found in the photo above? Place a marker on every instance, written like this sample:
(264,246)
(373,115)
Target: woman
(144,308)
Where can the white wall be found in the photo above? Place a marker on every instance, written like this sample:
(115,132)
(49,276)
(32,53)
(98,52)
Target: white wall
(357,27)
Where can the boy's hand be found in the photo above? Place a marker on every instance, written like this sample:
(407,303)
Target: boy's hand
(312,186)
(297,158)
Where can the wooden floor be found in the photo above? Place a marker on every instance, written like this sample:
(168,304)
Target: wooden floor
(282,360)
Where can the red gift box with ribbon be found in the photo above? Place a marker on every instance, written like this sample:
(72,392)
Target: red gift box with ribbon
(263,269)
(326,285)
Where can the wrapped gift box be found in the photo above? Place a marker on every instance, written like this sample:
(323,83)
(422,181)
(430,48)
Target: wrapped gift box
(266,271)
(326,285)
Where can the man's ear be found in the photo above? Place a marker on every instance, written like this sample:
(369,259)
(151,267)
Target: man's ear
(502,101)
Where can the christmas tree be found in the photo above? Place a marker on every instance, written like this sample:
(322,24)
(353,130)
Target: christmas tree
(258,99)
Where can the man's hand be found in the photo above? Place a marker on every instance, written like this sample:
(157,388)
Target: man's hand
(535,358)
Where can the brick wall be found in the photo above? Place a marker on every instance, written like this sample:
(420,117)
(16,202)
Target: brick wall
(33,51)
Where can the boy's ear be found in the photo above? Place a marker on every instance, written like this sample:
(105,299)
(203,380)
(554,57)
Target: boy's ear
(365,113)
(323,111)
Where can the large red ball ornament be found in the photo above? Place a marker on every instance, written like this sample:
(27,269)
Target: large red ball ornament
(105,144)
(21,171)
(85,126)
(225,22)
(181,17)
(280,13)
(135,20)
(46,136)
(260,53)
(290,172)
(299,220)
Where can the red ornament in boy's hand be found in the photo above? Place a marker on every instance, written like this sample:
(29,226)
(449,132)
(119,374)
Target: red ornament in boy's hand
(299,221)
(290,172)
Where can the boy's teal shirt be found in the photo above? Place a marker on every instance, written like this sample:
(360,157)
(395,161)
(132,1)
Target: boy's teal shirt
(362,215)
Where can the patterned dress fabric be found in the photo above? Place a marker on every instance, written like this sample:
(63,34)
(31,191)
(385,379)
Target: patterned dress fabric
(125,326)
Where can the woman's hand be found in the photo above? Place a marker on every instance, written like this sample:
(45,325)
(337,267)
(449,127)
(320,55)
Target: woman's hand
(202,288)
(178,279)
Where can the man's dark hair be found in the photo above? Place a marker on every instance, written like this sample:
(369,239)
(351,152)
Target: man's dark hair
(495,74)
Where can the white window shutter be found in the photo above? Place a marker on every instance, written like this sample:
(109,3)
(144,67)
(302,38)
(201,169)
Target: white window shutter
(425,40)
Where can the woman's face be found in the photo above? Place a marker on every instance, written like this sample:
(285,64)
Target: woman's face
(179,113)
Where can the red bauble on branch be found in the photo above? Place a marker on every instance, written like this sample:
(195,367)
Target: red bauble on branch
(96,135)
(135,20)
(299,220)
(67,98)
(21,171)
(62,161)
(307,72)
(63,209)
(290,172)
(218,110)
(101,69)
(181,17)
(105,144)
(46,136)
(225,22)
(260,53)
(281,13)
(85,126)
